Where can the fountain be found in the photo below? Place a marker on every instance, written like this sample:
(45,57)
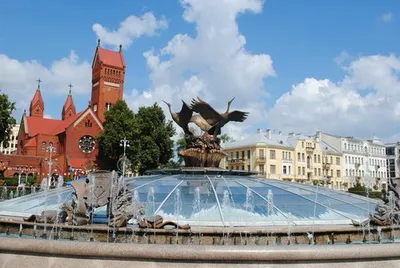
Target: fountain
(199,213)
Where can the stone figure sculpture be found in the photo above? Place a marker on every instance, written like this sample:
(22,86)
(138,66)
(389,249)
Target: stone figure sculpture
(204,150)
(388,213)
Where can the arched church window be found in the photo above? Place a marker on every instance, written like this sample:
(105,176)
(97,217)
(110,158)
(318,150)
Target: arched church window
(44,146)
(50,144)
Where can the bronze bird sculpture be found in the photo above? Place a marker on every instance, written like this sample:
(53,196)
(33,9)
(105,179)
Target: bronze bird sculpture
(214,119)
(199,121)
(183,117)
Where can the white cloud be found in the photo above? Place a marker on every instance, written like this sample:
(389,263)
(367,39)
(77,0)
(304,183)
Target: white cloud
(342,58)
(387,17)
(214,64)
(365,102)
(18,78)
(131,28)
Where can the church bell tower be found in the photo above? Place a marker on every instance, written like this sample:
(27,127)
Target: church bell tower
(108,76)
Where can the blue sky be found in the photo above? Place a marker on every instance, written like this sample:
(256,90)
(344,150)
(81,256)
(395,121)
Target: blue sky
(302,38)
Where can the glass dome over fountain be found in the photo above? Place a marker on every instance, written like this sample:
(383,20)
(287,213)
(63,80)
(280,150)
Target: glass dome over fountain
(222,200)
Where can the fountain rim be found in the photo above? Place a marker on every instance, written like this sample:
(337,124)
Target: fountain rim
(200,253)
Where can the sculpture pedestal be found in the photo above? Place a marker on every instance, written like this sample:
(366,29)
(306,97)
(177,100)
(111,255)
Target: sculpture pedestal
(202,151)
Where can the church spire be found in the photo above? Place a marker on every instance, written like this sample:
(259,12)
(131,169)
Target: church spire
(69,106)
(37,105)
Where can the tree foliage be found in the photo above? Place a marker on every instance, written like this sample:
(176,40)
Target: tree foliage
(155,134)
(225,138)
(148,133)
(119,124)
(6,120)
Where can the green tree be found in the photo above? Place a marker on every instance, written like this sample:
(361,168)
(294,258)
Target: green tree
(119,124)
(155,138)
(225,138)
(6,120)
(148,133)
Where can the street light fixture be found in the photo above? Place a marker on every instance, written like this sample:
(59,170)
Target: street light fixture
(124,143)
(51,149)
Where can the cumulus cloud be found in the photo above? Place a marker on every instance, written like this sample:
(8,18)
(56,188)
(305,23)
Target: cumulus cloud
(365,102)
(131,28)
(387,17)
(214,64)
(18,78)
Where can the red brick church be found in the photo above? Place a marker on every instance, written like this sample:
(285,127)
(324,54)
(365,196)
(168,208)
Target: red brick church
(67,146)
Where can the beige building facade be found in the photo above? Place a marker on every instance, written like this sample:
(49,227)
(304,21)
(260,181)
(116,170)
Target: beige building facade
(292,157)
(13,143)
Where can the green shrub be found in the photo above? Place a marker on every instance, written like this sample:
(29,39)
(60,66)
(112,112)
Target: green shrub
(362,190)
(11,181)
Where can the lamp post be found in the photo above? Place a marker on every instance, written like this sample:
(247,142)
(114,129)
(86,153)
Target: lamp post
(124,143)
(377,178)
(51,149)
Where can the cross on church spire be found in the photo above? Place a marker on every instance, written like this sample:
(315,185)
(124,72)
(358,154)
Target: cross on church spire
(70,87)
(39,81)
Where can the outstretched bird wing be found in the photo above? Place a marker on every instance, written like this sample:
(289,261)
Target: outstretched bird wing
(237,116)
(185,114)
(206,111)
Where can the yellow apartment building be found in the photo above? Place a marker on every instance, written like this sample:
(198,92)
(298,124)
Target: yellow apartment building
(292,157)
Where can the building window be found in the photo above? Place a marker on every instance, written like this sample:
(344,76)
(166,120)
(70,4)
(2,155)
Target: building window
(319,171)
(95,108)
(261,169)
(319,158)
(272,169)
(338,161)
(298,170)
(308,161)
(302,157)
(347,172)
(261,153)
(248,154)
(284,170)
(44,146)
(272,154)
(338,173)
(331,172)
(304,170)
(248,167)
(298,157)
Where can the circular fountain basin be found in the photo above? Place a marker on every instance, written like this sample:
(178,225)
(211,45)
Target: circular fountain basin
(219,201)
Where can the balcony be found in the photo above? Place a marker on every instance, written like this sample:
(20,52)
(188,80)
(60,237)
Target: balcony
(326,166)
(236,160)
(261,159)
(310,148)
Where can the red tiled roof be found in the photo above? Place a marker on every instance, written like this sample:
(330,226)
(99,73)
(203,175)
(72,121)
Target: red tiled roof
(39,125)
(69,102)
(46,126)
(112,58)
(36,98)
(77,162)
(66,123)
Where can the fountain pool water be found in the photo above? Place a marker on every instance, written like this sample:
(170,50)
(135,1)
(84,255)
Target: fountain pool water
(221,209)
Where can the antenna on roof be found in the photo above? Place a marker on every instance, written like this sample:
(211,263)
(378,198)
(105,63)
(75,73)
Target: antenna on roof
(120,48)
(98,42)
